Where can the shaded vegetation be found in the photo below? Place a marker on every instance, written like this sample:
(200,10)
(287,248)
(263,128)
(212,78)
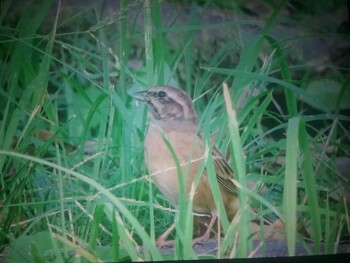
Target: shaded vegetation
(73,185)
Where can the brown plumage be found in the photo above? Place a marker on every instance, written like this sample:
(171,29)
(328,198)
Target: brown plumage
(173,117)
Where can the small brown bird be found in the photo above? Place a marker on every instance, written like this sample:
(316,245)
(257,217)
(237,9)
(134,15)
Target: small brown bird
(173,118)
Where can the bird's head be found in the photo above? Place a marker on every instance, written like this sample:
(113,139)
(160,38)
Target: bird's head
(166,103)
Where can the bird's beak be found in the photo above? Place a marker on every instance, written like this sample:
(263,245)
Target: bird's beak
(141,96)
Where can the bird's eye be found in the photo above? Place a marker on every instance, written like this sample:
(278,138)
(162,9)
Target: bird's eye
(161,94)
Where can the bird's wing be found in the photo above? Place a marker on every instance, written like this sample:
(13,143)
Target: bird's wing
(223,170)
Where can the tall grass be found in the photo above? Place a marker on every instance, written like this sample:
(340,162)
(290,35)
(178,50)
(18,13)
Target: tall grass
(73,183)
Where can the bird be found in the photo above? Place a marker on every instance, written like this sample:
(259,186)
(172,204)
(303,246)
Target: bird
(173,121)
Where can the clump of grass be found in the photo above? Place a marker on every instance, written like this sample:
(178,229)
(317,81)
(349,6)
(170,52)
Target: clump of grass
(83,189)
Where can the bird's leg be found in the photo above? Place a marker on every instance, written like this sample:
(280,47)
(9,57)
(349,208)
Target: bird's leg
(161,241)
(206,235)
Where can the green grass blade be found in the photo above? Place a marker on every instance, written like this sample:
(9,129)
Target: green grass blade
(290,184)
(239,167)
(149,43)
(95,228)
(115,238)
(310,186)
(291,100)
(183,221)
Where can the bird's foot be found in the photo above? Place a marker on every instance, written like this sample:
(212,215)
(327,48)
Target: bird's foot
(162,242)
(201,240)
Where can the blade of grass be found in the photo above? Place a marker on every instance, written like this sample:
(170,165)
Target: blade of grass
(290,184)
(115,238)
(310,186)
(149,43)
(124,47)
(239,166)
(159,44)
(291,100)
(95,228)
(214,185)
(182,250)
(189,51)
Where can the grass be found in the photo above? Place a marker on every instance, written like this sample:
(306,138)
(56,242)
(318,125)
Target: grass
(74,186)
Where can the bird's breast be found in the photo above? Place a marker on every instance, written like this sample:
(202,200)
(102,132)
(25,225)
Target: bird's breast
(187,147)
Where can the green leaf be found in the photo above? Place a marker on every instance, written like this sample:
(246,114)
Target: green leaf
(26,248)
(95,229)
(310,186)
(290,184)
(324,95)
